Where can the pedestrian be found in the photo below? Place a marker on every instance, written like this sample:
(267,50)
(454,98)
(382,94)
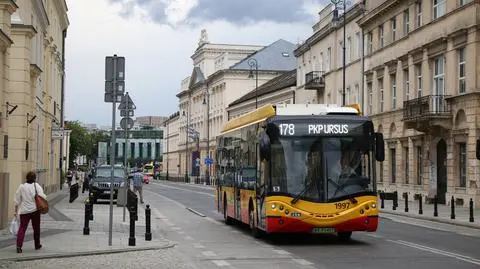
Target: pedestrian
(138,183)
(69,177)
(26,207)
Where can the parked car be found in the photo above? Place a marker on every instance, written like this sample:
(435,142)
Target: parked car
(101,180)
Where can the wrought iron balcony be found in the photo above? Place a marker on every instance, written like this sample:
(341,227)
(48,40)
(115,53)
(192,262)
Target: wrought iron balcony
(315,80)
(426,111)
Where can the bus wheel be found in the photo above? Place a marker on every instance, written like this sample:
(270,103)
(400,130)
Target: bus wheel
(227,219)
(251,221)
(344,236)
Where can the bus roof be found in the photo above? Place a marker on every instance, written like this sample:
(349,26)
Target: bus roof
(268,111)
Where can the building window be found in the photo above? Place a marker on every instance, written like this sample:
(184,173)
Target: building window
(438,8)
(132,150)
(464,2)
(462,164)
(419,165)
(380,36)
(359,44)
(439,76)
(406,22)
(116,150)
(340,54)
(393,22)
(406,164)
(462,87)
(381,100)
(370,98)
(140,150)
(369,42)
(406,76)
(393,165)
(393,80)
(157,151)
(350,49)
(149,150)
(329,58)
(419,11)
(124,149)
(418,71)
(321,61)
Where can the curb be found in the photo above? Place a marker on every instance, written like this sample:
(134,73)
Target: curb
(434,219)
(86,253)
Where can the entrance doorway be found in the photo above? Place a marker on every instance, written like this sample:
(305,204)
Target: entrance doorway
(441,171)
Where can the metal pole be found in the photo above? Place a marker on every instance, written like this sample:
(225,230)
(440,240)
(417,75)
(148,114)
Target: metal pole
(168,152)
(256,84)
(127,185)
(112,148)
(186,145)
(344,46)
(208,136)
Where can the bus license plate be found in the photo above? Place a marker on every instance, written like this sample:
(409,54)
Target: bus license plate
(323,230)
(106,192)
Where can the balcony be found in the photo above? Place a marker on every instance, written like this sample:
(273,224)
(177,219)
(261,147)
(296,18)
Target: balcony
(315,80)
(427,113)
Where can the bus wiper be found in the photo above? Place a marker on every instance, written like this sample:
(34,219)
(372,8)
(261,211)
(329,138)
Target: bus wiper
(300,194)
(339,189)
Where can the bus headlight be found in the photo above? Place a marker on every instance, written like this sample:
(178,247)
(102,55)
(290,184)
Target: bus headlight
(374,205)
(273,206)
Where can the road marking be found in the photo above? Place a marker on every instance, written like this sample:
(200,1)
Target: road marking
(374,235)
(197,245)
(195,212)
(209,253)
(180,232)
(438,251)
(282,252)
(215,221)
(182,189)
(302,262)
(176,228)
(188,237)
(220,263)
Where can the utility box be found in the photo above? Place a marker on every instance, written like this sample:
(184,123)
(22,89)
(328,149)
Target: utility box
(122,197)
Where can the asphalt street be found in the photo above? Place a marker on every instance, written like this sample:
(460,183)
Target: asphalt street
(187,215)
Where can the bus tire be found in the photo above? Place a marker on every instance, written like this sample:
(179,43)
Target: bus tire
(227,219)
(344,236)
(251,220)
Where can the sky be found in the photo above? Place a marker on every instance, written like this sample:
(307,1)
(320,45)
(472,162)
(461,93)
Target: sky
(157,38)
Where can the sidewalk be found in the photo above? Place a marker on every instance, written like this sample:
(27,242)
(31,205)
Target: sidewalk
(462,214)
(62,232)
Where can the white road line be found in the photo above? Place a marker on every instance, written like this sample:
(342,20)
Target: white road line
(176,228)
(188,238)
(182,189)
(195,212)
(220,263)
(373,235)
(209,253)
(197,245)
(180,232)
(302,262)
(281,252)
(438,251)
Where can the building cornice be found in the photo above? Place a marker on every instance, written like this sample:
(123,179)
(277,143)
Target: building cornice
(371,16)
(28,30)
(39,8)
(8,5)
(35,70)
(5,41)
(62,9)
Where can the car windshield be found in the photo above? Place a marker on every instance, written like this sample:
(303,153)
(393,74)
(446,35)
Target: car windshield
(320,168)
(106,172)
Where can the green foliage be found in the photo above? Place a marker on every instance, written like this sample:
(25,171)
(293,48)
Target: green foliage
(82,142)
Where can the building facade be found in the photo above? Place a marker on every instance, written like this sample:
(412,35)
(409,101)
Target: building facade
(422,81)
(155,121)
(171,157)
(32,91)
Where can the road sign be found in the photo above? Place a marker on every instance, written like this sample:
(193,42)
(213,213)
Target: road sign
(126,123)
(208,161)
(58,133)
(108,98)
(126,113)
(126,103)
(120,87)
(120,68)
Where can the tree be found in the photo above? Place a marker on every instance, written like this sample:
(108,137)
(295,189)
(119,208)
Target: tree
(94,138)
(79,140)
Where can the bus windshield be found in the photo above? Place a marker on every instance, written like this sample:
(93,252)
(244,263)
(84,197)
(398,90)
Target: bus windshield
(321,169)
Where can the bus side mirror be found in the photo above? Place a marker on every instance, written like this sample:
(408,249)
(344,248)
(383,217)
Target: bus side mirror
(477,151)
(379,147)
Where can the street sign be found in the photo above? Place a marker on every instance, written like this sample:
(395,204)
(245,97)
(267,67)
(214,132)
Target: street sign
(126,123)
(58,133)
(120,68)
(208,161)
(120,87)
(126,113)
(126,103)
(108,98)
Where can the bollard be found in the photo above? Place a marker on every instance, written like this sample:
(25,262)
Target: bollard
(452,206)
(91,200)
(395,200)
(435,207)
(420,207)
(148,232)
(471,210)
(86,228)
(405,195)
(382,197)
(131,239)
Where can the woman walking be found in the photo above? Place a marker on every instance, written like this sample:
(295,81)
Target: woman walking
(26,207)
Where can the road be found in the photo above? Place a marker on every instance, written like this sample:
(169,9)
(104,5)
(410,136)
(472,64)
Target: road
(186,214)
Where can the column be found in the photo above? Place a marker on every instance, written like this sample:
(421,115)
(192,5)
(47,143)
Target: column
(472,57)
(451,69)
(426,72)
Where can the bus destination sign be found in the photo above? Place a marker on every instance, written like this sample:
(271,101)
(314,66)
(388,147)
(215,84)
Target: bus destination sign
(320,129)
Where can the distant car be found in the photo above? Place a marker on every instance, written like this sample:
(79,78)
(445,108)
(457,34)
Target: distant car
(146,179)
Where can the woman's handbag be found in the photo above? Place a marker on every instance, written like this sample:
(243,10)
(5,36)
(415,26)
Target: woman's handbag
(42,204)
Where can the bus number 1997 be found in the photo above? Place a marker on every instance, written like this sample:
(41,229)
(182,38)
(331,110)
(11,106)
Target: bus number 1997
(342,205)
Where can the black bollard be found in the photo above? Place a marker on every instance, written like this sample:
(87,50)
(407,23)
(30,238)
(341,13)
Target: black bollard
(90,204)
(406,201)
(131,239)
(86,228)
(452,206)
(382,198)
(395,200)
(148,232)
(471,210)
(435,207)
(420,206)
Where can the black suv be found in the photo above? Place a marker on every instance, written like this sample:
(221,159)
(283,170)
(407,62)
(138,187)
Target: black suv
(101,180)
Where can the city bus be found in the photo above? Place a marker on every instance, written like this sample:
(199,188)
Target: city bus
(299,168)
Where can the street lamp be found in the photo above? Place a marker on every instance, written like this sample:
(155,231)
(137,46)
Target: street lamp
(165,124)
(336,20)
(206,101)
(185,114)
(252,62)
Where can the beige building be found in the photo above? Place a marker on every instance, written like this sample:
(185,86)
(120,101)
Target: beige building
(155,121)
(32,41)
(422,89)
(171,155)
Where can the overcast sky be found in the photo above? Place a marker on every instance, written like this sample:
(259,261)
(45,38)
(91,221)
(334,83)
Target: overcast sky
(157,38)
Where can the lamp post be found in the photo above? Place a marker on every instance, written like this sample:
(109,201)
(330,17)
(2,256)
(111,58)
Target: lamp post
(335,21)
(165,124)
(206,101)
(185,114)
(253,63)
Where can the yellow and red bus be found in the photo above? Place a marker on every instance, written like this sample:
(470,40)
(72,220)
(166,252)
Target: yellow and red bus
(296,168)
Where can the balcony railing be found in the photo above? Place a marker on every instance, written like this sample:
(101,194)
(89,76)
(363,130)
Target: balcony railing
(315,80)
(430,106)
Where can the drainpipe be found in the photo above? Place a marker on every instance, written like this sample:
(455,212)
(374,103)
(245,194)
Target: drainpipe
(62,105)
(362,101)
